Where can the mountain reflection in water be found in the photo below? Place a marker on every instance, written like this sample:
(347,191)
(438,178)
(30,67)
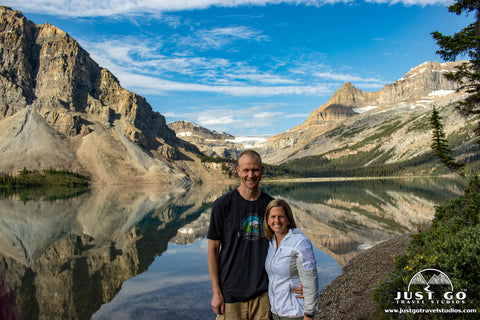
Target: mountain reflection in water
(132,253)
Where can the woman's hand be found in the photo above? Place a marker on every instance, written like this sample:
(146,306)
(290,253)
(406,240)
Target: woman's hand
(299,291)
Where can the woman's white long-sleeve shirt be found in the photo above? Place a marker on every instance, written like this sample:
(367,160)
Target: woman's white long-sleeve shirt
(292,263)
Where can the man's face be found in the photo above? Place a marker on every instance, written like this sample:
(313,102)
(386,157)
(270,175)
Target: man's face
(250,171)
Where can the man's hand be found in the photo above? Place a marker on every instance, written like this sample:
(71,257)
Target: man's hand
(218,305)
(299,291)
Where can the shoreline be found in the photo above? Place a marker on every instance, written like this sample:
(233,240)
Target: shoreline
(349,296)
(332,179)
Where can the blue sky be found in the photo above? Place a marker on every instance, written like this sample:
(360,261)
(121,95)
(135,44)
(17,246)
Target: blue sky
(249,67)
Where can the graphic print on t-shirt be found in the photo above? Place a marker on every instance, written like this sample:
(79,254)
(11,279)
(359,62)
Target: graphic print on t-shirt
(252,228)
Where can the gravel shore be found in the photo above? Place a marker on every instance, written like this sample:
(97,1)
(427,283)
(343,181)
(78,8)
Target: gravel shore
(349,296)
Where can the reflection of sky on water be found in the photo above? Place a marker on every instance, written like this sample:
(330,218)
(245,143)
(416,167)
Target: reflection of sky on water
(177,285)
(327,268)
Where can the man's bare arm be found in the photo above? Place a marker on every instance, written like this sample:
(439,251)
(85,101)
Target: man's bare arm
(218,304)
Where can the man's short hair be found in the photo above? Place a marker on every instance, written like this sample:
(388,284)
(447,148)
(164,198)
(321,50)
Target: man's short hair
(251,153)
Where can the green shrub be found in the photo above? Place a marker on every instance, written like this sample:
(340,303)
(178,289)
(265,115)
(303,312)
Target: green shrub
(451,245)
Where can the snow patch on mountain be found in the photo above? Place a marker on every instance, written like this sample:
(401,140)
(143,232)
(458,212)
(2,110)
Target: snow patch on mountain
(364,109)
(440,93)
(249,141)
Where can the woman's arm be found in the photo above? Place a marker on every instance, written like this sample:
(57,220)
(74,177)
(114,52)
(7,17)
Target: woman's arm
(307,271)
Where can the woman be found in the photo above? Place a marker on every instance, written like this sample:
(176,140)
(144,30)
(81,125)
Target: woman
(290,262)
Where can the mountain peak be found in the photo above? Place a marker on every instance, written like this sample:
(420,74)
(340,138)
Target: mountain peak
(418,82)
(347,95)
(347,85)
(339,107)
(429,67)
(49,30)
(209,142)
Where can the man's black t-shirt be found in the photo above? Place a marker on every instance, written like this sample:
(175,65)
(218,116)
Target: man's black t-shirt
(239,225)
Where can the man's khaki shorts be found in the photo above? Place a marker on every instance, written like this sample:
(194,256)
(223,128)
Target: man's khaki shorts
(255,309)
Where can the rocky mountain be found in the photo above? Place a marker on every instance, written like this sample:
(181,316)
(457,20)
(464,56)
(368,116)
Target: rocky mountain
(417,83)
(211,143)
(60,109)
(377,128)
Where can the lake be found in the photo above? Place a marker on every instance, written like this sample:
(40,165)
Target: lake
(136,253)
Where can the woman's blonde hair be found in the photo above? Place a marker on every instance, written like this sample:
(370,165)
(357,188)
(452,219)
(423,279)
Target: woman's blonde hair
(288,211)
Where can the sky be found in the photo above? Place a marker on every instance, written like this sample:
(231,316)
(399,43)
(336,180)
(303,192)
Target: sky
(249,67)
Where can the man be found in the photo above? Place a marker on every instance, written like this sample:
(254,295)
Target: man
(237,247)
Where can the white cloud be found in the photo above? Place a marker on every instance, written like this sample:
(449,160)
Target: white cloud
(141,68)
(142,56)
(225,119)
(96,8)
(218,38)
(343,77)
(153,65)
(315,65)
(297,115)
(212,120)
(121,51)
(413,2)
(153,281)
(370,86)
(254,76)
(129,55)
(321,72)
(145,84)
(267,115)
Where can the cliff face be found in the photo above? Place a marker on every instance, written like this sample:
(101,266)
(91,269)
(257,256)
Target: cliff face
(47,80)
(417,83)
(392,123)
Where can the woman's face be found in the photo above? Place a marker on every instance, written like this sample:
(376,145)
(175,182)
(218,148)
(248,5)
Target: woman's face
(278,220)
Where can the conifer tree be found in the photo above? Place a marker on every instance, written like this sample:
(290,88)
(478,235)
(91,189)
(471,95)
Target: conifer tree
(440,145)
(466,42)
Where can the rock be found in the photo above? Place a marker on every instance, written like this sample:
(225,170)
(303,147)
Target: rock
(349,296)
(27,138)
